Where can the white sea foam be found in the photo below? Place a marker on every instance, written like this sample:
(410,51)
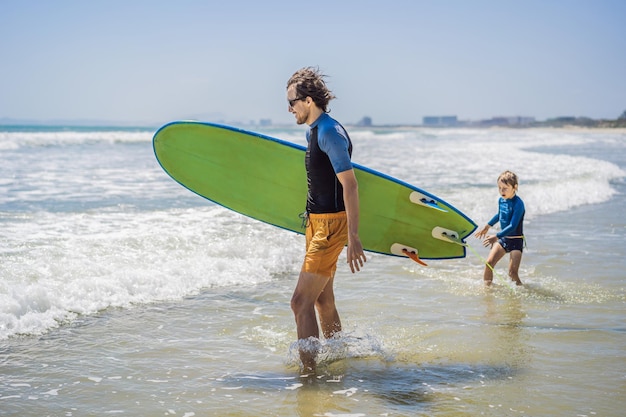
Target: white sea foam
(461,166)
(10,140)
(80,263)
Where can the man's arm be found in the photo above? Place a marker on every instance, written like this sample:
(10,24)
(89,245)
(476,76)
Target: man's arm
(356,256)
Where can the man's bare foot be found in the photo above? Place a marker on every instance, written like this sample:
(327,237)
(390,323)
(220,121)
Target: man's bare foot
(308,370)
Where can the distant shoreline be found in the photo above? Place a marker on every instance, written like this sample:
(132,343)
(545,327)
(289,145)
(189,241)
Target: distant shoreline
(611,125)
(569,123)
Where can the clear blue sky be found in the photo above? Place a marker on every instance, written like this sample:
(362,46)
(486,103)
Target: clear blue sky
(393,60)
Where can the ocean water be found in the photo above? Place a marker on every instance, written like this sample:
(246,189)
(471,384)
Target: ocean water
(122,293)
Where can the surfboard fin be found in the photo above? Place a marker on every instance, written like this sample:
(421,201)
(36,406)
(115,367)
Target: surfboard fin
(447,236)
(423,200)
(413,255)
(404,250)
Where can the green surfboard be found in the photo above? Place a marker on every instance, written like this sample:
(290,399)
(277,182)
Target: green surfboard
(264,178)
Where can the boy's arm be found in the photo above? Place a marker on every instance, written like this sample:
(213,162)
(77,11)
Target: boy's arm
(482,232)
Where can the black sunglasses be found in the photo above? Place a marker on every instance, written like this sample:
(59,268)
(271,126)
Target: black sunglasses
(293,101)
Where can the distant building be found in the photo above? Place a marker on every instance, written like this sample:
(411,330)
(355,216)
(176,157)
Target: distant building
(521,120)
(508,121)
(365,122)
(265,122)
(442,121)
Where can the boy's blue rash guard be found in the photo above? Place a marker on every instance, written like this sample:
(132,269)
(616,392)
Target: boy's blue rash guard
(333,140)
(511,216)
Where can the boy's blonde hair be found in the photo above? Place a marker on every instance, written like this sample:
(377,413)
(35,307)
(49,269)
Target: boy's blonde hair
(508,178)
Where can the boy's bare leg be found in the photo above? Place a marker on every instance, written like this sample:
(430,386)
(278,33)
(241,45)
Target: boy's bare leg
(514,263)
(496,253)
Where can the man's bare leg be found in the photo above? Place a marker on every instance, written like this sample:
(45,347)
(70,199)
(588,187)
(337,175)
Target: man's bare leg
(327,311)
(308,289)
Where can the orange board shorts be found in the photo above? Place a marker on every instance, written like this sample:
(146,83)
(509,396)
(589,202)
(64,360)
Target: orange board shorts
(326,236)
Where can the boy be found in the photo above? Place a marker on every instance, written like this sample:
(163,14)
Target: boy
(510,239)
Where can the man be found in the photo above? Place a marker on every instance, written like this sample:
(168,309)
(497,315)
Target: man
(332,211)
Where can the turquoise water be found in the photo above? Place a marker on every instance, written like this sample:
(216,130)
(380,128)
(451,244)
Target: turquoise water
(123,293)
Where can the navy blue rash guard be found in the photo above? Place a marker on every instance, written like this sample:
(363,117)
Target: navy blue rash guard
(511,216)
(328,153)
